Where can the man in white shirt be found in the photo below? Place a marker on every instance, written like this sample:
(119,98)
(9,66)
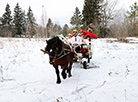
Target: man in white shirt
(76,41)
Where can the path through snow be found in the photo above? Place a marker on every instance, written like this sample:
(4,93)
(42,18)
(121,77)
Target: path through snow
(26,75)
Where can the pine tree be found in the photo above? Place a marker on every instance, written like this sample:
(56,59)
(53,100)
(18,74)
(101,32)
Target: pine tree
(133,14)
(6,22)
(30,22)
(65,29)
(24,22)
(91,12)
(0,21)
(57,29)
(6,18)
(19,20)
(76,19)
(49,27)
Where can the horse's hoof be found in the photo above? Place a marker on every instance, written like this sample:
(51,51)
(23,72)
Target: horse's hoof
(64,76)
(70,76)
(58,82)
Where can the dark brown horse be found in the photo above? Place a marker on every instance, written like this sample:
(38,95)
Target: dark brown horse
(59,54)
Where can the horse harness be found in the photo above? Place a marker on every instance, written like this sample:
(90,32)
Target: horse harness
(64,51)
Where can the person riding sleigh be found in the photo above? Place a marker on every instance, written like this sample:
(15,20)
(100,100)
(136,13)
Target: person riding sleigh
(89,32)
(76,41)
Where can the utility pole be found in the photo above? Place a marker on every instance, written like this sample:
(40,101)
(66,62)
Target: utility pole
(46,22)
(42,21)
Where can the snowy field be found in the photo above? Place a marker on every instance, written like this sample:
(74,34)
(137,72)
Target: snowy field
(27,76)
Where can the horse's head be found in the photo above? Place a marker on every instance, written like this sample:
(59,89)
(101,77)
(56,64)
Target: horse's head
(52,49)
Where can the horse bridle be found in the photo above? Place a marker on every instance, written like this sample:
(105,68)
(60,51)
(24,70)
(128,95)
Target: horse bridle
(55,57)
(63,51)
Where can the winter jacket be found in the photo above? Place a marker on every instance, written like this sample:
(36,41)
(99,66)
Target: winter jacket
(90,34)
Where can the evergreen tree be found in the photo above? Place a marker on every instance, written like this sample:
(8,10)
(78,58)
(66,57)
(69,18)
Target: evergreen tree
(0,21)
(133,14)
(6,17)
(76,19)
(91,12)
(57,29)
(19,20)
(1,35)
(6,22)
(49,27)
(65,29)
(30,22)
(23,22)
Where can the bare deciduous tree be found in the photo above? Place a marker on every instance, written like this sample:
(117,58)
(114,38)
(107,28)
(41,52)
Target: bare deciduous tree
(120,27)
(108,12)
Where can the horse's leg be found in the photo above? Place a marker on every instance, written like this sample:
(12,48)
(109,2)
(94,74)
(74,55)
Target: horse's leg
(69,69)
(58,77)
(64,75)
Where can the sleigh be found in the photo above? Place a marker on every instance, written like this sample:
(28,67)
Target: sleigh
(84,55)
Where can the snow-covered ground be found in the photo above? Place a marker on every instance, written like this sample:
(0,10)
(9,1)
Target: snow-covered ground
(27,76)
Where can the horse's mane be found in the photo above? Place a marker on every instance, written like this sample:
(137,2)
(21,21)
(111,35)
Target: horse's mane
(57,42)
(54,40)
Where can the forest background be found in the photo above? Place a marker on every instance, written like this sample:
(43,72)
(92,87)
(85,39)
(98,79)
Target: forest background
(108,21)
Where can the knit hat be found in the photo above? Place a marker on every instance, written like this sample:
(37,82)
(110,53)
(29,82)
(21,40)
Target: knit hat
(91,26)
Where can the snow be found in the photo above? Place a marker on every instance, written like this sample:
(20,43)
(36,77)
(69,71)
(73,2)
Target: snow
(27,76)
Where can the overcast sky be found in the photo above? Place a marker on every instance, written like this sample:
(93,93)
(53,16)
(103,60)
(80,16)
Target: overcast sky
(60,11)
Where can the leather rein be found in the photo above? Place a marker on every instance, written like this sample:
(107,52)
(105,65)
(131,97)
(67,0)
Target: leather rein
(64,52)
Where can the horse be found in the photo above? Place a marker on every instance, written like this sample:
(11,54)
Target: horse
(60,54)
